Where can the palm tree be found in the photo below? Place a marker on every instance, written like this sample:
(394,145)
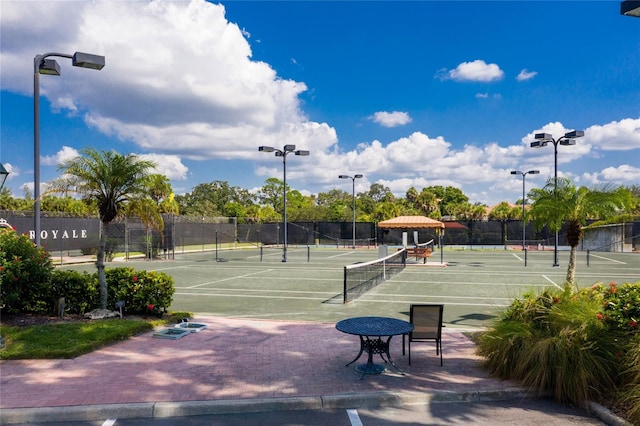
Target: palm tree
(553,205)
(110,180)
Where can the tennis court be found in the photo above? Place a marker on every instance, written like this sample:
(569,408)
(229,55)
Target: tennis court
(474,286)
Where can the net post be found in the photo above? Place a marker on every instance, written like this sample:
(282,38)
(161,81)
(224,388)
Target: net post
(588,251)
(344,286)
(261,248)
(525,256)
(308,254)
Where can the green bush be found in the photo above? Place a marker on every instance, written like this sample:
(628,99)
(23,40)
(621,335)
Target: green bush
(143,292)
(629,395)
(555,342)
(620,304)
(80,290)
(25,274)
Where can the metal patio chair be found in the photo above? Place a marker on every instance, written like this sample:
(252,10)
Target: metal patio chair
(427,323)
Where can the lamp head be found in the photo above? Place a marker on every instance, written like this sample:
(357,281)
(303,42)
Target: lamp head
(49,67)
(630,8)
(538,144)
(289,148)
(3,175)
(88,60)
(534,172)
(358,176)
(344,177)
(266,148)
(302,152)
(515,172)
(567,142)
(574,134)
(543,136)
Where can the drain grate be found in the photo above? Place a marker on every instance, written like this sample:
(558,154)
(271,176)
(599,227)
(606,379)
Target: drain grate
(191,326)
(172,333)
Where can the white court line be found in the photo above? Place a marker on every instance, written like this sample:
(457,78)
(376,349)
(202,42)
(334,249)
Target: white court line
(109,422)
(339,255)
(362,298)
(354,418)
(229,279)
(548,279)
(518,257)
(606,258)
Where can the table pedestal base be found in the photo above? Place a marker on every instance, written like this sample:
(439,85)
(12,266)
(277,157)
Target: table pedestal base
(370,369)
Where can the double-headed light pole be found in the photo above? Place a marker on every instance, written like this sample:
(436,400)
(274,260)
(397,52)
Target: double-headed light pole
(543,139)
(524,200)
(288,149)
(42,65)
(353,197)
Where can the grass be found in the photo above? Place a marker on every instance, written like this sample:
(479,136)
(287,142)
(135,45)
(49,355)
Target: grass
(69,340)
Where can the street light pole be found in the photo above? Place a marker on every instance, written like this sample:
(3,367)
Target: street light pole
(288,149)
(543,139)
(42,65)
(524,200)
(353,197)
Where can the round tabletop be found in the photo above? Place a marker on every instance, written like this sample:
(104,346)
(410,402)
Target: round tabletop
(374,326)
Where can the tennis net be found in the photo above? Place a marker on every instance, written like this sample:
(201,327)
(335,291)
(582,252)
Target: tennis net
(362,277)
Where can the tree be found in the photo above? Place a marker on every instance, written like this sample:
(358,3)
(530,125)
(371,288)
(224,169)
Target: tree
(111,180)
(553,205)
(504,212)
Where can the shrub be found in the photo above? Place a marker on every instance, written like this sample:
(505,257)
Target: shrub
(25,274)
(629,396)
(142,291)
(80,290)
(620,304)
(556,342)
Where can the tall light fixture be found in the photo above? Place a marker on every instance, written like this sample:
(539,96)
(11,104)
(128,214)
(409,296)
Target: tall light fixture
(543,139)
(353,197)
(288,149)
(524,199)
(3,176)
(42,65)
(630,8)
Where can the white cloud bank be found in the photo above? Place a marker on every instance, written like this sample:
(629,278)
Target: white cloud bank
(180,84)
(178,80)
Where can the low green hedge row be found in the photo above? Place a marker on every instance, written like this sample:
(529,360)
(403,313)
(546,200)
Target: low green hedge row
(29,283)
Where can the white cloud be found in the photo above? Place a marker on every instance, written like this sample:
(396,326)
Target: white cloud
(525,74)
(482,95)
(477,70)
(620,135)
(64,154)
(178,79)
(169,165)
(390,119)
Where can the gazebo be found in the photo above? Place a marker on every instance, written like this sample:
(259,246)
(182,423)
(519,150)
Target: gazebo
(415,222)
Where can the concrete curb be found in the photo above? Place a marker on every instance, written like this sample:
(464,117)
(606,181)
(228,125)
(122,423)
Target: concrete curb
(607,416)
(193,408)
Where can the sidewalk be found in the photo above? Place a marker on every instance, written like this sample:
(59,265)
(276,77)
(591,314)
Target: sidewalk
(238,364)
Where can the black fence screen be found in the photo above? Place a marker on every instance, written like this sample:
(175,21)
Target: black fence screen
(69,236)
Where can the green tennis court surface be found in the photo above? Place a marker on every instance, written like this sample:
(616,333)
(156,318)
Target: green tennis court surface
(474,286)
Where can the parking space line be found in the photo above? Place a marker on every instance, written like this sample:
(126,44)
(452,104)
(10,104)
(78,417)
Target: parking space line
(354,418)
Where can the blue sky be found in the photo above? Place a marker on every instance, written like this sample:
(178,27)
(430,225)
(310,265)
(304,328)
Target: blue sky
(405,93)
